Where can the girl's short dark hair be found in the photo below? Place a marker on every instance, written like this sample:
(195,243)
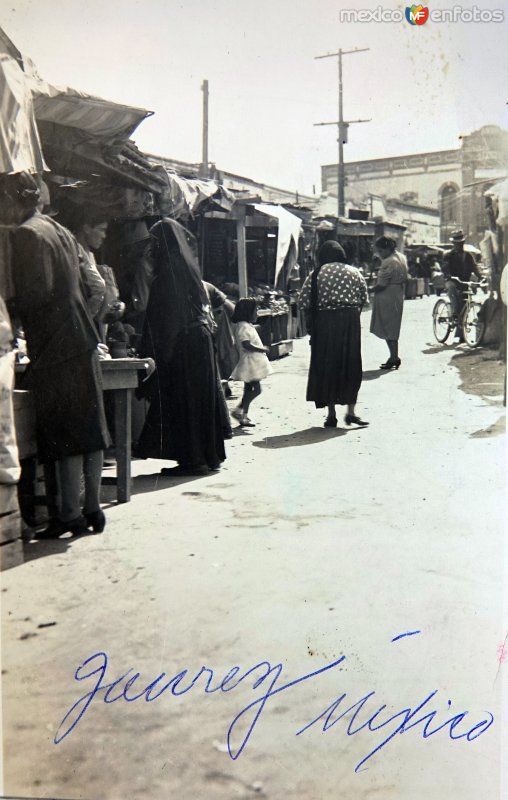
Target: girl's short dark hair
(386,243)
(244,310)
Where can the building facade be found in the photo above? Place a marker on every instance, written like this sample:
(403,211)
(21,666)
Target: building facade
(449,182)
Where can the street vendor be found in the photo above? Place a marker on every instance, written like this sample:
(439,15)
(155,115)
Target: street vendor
(90,235)
(103,298)
(64,373)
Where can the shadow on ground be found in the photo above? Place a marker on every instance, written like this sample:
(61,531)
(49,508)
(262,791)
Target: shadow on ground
(497,429)
(438,348)
(153,483)
(300,438)
(43,548)
(481,372)
(374,374)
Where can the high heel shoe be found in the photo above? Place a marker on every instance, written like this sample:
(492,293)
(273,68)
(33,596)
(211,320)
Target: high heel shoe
(57,528)
(351,419)
(96,520)
(392,363)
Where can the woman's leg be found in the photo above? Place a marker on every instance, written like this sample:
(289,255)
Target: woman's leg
(92,468)
(69,471)
(331,411)
(393,346)
(252,390)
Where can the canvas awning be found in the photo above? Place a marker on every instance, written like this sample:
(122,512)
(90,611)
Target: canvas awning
(188,196)
(83,135)
(289,232)
(500,192)
(101,118)
(20,147)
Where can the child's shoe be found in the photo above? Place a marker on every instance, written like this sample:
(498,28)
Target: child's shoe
(237,413)
(246,423)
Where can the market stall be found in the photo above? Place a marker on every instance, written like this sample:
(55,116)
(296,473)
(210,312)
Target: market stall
(250,251)
(19,150)
(90,165)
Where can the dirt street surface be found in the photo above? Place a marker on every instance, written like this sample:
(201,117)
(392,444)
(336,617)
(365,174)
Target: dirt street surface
(311,548)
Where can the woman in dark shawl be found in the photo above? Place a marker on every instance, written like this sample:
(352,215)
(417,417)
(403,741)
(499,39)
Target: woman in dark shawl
(183,423)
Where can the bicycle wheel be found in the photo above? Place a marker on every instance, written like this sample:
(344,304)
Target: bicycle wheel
(473,326)
(442,320)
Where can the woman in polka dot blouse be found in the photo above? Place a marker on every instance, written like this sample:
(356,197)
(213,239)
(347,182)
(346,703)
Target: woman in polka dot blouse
(332,297)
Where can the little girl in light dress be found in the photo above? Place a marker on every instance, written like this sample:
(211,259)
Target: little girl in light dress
(253,365)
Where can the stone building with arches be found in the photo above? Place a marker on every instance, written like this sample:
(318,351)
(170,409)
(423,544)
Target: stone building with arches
(451,182)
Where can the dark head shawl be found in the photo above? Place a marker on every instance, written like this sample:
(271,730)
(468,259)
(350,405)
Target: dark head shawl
(177,295)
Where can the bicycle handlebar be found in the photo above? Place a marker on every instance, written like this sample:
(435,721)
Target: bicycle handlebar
(481,282)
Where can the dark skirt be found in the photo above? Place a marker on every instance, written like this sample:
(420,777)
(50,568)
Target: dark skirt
(69,408)
(184,422)
(335,372)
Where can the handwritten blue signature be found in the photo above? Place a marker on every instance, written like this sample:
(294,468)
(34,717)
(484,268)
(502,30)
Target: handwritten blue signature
(267,676)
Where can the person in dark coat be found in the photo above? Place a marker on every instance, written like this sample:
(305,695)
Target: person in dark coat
(183,423)
(458,266)
(333,296)
(64,373)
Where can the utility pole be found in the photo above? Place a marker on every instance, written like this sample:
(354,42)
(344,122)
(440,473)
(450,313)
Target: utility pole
(204,159)
(342,129)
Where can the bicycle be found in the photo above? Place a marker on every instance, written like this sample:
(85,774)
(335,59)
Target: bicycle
(470,320)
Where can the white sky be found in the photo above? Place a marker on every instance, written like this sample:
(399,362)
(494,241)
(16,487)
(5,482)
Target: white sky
(422,87)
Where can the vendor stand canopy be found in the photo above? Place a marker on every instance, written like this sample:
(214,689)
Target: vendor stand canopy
(101,118)
(20,147)
(83,135)
(499,192)
(288,232)
(183,197)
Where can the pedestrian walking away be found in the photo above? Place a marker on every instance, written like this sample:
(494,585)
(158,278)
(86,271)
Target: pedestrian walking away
(388,304)
(333,296)
(253,365)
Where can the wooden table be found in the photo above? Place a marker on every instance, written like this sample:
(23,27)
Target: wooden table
(120,376)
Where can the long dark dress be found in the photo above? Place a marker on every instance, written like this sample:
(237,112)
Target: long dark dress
(184,421)
(335,371)
(64,373)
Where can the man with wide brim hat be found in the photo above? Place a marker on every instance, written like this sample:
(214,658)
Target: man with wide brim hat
(458,266)
(458,237)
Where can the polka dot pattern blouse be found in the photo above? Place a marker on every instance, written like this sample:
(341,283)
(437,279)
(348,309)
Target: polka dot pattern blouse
(338,285)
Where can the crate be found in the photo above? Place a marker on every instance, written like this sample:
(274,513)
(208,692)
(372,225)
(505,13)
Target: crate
(280,349)
(11,554)
(11,546)
(10,527)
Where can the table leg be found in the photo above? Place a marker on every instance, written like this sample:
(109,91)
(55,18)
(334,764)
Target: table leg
(123,412)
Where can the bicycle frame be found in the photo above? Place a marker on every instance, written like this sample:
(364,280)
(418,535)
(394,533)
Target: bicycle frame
(469,319)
